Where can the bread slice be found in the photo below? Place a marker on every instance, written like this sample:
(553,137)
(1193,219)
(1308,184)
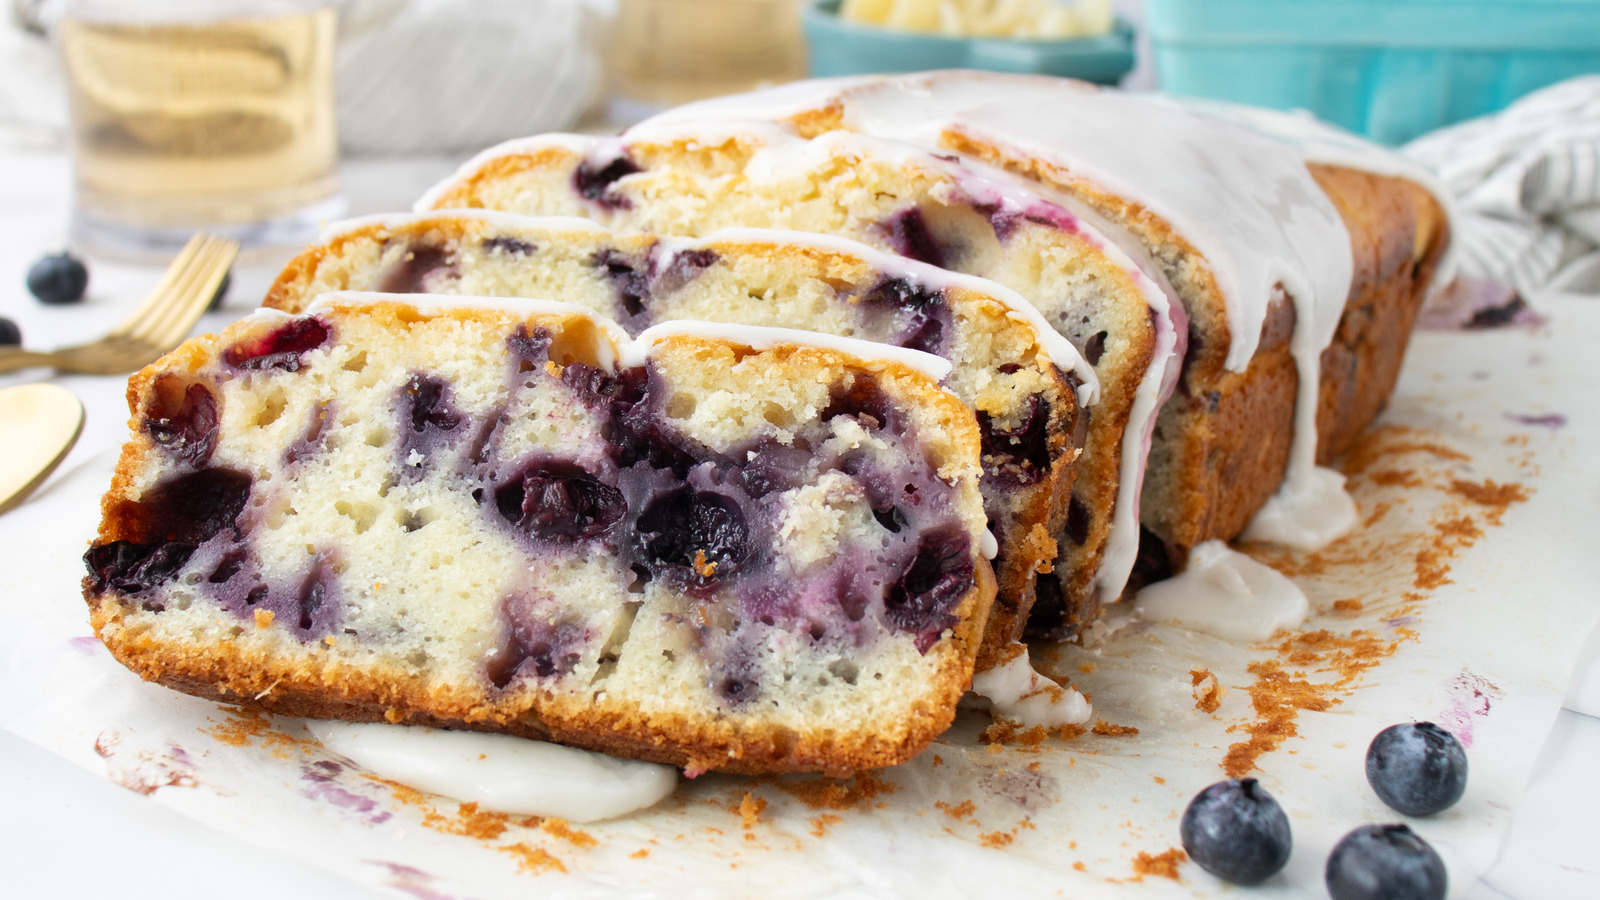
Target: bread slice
(1259,246)
(1018,374)
(517,520)
(957,214)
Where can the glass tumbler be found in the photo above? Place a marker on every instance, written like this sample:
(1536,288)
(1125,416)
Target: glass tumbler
(200,114)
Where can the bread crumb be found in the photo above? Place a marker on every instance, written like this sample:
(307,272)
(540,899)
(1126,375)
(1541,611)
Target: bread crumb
(1206,688)
(1087,668)
(1080,867)
(641,853)
(750,809)
(961,810)
(533,859)
(997,839)
(559,828)
(819,825)
(1110,730)
(1159,779)
(264,618)
(833,793)
(552,368)
(701,567)
(1350,605)
(1164,865)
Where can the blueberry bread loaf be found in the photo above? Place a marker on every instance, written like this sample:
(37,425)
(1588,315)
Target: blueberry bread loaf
(1019,376)
(1300,270)
(747,551)
(963,215)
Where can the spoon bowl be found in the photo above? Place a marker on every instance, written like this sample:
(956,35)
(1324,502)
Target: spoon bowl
(41,423)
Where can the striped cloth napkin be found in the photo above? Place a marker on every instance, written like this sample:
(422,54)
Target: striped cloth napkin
(1527,188)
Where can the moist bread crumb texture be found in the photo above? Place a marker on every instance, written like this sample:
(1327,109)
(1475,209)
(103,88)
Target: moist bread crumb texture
(721,558)
(1031,426)
(879,193)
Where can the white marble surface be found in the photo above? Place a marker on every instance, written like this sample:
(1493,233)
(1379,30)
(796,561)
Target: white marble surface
(50,810)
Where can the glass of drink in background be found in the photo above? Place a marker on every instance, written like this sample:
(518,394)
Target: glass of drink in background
(200,114)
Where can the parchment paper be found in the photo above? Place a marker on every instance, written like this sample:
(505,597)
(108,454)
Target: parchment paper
(1464,599)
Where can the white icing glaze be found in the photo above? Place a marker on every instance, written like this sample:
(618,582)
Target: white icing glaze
(1226,594)
(1017,692)
(493,217)
(500,772)
(1322,142)
(434,304)
(1307,515)
(1058,348)
(761,337)
(1243,199)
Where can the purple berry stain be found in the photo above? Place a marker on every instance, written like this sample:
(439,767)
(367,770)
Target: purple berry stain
(910,236)
(410,275)
(922,600)
(182,420)
(696,538)
(427,420)
(1021,454)
(924,314)
(280,348)
(560,503)
(627,279)
(533,644)
(595,184)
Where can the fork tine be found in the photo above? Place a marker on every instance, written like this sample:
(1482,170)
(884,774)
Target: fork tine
(158,296)
(159,320)
(190,295)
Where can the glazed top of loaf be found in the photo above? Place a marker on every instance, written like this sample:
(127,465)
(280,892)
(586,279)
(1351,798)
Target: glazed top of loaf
(1245,200)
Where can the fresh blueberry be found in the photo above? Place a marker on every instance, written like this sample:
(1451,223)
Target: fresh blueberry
(58,278)
(1417,769)
(1385,862)
(10,334)
(1237,832)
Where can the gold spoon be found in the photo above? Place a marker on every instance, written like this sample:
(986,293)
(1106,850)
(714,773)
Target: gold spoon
(42,422)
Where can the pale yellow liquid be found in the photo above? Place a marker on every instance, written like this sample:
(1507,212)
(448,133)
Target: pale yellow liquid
(675,51)
(190,125)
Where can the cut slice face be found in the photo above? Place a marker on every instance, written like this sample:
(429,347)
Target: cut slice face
(1020,377)
(513,518)
(936,208)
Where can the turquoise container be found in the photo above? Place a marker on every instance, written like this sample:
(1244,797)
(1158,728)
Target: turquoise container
(837,47)
(1390,69)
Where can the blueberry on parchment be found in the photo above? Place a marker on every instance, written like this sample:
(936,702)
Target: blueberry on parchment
(1385,862)
(1237,832)
(1417,768)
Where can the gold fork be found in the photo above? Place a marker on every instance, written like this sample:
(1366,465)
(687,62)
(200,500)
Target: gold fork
(158,325)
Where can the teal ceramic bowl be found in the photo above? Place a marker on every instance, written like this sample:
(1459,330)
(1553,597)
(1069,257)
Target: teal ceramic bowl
(1391,69)
(837,47)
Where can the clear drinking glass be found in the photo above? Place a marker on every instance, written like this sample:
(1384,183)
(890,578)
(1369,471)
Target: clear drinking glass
(200,114)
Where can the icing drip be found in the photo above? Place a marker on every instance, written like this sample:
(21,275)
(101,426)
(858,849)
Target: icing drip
(1226,594)
(1017,692)
(499,772)
(1313,514)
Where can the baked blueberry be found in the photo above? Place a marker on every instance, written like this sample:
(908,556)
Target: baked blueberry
(1385,862)
(58,278)
(10,334)
(1417,768)
(1236,831)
